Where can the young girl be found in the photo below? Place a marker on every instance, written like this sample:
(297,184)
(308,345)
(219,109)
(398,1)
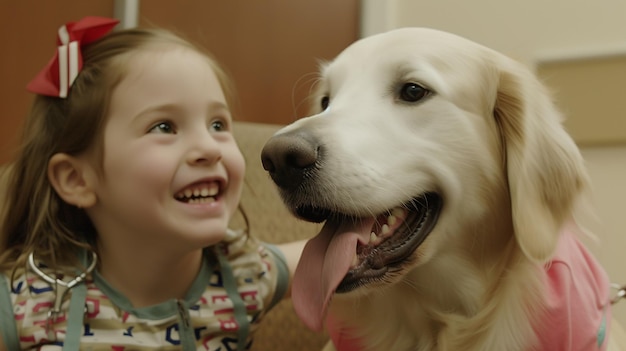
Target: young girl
(115,227)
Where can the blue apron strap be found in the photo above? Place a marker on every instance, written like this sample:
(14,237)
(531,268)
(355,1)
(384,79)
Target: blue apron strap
(8,328)
(75,320)
(76,313)
(241,315)
(282,281)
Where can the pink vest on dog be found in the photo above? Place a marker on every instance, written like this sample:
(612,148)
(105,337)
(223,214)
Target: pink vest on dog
(578,313)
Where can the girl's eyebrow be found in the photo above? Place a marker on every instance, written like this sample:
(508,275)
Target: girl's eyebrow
(156,108)
(173,107)
(148,112)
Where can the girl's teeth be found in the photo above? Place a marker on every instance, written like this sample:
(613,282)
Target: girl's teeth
(209,190)
(202,200)
(213,189)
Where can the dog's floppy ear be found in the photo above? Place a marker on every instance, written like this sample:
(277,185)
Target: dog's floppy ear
(545,170)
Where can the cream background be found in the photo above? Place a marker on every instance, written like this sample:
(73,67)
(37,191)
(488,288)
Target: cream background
(534,31)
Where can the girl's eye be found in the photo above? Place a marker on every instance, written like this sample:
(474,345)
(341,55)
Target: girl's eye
(163,127)
(218,126)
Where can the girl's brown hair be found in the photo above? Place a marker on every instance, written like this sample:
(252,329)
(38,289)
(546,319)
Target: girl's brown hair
(36,219)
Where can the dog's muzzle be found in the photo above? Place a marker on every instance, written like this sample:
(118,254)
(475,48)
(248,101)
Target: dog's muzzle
(355,247)
(290,158)
(294,161)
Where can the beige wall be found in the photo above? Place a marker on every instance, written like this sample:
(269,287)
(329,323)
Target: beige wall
(607,168)
(525,30)
(534,31)
(590,92)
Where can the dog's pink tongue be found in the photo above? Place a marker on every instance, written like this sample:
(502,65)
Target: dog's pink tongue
(325,261)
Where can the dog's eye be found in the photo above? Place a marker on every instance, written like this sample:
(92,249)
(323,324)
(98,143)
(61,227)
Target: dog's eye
(324,102)
(412,92)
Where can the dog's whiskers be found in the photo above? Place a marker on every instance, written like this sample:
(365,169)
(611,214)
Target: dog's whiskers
(311,79)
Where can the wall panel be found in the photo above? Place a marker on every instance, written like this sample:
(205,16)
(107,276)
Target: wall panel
(592,94)
(271,48)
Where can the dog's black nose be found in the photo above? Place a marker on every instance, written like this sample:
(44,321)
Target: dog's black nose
(290,158)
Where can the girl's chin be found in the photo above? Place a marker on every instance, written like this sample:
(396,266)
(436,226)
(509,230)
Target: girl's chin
(212,234)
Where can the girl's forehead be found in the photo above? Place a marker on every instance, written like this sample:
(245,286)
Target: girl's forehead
(148,54)
(171,75)
(166,61)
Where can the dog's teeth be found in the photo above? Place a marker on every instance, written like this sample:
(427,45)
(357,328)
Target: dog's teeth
(355,260)
(374,239)
(385,229)
(391,220)
(397,212)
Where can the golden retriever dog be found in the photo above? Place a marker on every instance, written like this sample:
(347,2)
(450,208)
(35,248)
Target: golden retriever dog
(448,186)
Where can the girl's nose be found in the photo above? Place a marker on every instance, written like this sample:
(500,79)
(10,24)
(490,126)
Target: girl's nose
(204,150)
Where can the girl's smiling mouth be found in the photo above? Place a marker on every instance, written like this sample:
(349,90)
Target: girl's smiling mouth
(204,192)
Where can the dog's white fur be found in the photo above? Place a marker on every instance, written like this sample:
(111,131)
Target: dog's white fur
(490,141)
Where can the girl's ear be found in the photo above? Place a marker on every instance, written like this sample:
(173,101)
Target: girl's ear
(72,179)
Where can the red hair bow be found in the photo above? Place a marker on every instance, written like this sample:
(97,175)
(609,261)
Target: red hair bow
(59,74)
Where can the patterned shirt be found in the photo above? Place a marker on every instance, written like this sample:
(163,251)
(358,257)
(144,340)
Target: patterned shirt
(239,281)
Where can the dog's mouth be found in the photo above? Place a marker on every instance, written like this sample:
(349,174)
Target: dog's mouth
(351,252)
(393,239)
